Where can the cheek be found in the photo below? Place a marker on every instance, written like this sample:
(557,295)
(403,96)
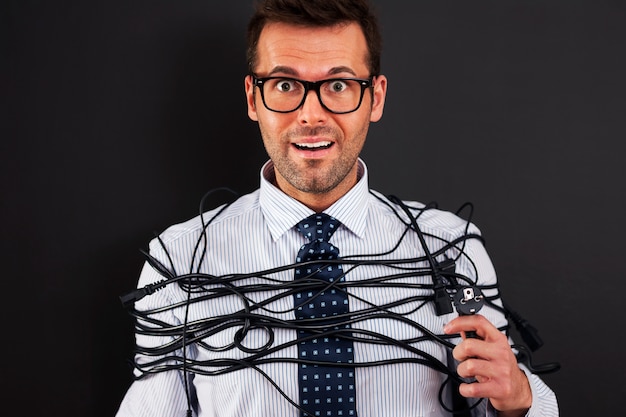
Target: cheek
(273,125)
(355,131)
(271,134)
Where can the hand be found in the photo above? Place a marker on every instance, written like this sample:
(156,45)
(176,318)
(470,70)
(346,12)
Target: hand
(490,360)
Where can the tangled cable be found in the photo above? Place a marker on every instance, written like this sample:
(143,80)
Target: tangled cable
(258,291)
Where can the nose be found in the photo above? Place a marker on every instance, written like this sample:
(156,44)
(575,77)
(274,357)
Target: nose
(312,112)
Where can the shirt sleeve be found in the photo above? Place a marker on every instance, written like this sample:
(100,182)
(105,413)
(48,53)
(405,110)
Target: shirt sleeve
(162,394)
(544,402)
(157,394)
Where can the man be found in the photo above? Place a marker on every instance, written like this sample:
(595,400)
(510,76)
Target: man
(232,332)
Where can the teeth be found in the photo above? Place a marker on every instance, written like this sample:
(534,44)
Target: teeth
(313,145)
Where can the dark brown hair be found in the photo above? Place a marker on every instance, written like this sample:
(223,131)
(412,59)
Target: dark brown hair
(316,13)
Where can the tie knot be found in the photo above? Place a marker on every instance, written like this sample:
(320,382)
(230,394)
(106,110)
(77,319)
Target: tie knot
(318,227)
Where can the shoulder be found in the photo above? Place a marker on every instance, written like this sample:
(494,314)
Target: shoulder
(220,217)
(428,217)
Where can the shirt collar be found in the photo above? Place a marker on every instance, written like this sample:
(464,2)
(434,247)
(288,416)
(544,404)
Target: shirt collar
(282,212)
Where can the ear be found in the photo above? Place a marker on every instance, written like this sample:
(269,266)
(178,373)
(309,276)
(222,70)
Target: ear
(380,92)
(250,97)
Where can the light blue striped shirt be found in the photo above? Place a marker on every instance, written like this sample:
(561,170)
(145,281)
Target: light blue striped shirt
(257,233)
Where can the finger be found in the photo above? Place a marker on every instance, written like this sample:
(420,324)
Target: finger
(477,368)
(469,349)
(481,379)
(499,380)
(485,389)
(476,323)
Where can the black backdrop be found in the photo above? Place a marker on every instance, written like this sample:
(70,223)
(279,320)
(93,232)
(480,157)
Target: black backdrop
(119,115)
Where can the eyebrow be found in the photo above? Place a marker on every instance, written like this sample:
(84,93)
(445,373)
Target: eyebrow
(290,71)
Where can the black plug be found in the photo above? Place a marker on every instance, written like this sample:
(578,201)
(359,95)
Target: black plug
(529,334)
(468,301)
(443,305)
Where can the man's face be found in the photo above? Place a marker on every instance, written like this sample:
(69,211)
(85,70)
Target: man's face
(314,151)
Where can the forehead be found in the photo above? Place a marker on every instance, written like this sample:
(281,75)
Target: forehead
(312,51)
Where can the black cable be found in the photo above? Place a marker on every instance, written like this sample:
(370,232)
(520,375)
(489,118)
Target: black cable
(206,225)
(200,287)
(442,298)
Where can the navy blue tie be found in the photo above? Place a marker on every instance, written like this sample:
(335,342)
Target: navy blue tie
(325,389)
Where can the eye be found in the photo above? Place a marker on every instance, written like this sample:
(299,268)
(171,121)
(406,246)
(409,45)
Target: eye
(285,86)
(337,86)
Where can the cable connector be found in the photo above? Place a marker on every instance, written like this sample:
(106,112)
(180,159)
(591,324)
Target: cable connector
(132,297)
(443,305)
(467,301)
(529,334)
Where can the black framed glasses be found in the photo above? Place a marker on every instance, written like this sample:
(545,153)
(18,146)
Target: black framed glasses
(337,95)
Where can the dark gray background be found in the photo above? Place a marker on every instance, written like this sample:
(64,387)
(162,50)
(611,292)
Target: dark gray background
(119,115)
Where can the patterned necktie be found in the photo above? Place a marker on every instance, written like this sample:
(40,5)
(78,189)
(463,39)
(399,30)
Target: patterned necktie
(325,390)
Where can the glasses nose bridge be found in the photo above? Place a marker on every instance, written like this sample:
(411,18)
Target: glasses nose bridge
(314,86)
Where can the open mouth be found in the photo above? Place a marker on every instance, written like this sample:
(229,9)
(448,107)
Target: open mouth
(313,146)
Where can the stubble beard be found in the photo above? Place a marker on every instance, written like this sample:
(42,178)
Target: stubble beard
(313,180)
(319,182)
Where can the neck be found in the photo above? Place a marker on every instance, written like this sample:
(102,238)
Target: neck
(318,201)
